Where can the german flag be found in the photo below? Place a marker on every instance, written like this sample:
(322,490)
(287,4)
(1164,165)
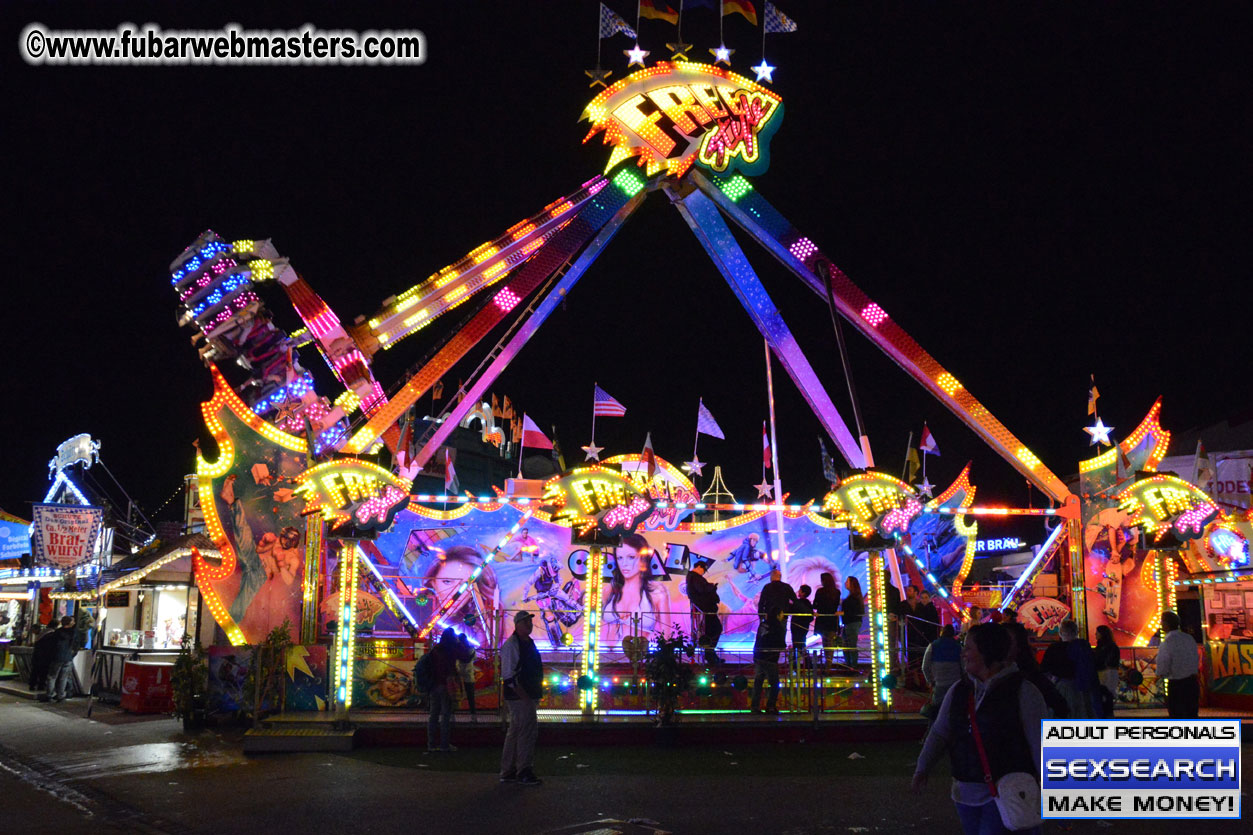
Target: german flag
(742,7)
(658,11)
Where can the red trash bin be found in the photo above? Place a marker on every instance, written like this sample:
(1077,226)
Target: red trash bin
(146,687)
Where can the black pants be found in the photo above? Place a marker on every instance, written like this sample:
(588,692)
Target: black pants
(1183,698)
(710,626)
(469,687)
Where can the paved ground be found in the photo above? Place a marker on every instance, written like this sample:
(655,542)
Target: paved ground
(59,770)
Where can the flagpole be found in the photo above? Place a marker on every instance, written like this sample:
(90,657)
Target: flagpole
(696,442)
(908,446)
(521,444)
(594,387)
(774,460)
(600,11)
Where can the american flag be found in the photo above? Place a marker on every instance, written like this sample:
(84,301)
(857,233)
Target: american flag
(706,424)
(777,21)
(603,405)
(611,23)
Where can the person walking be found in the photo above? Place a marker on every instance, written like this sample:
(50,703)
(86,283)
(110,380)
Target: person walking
(703,595)
(1107,658)
(854,611)
(446,684)
(769,644)
(64,646)
(802,618)
(827,622)
(522,671)
(1005,710)
(1021,653)
(1071,663)
(1178,663)
(465,671)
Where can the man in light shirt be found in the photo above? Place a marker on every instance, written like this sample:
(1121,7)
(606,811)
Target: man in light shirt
(1178,662)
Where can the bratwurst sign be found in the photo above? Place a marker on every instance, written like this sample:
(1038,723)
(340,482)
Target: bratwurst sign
(64,536)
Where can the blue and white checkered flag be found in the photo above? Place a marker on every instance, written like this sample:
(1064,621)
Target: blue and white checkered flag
(776,21)
(611,24)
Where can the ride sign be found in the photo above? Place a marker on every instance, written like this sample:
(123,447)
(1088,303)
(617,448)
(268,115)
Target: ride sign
(672,115)
(873,503)
(1167,508)
(591,498)
(354,492)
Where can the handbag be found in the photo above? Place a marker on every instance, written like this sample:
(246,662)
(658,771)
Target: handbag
(1017,794)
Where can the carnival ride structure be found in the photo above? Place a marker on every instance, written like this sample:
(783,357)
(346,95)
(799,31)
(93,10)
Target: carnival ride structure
(691,133)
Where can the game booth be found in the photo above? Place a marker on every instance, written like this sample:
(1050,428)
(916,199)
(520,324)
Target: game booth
(312,518)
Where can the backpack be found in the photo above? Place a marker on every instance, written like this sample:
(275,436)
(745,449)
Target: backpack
(424,673)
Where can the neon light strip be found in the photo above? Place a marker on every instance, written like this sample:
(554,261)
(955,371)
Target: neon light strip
(922,569)
(388,589)
(347,642)
(1040,558)
(590,664)
(129,579)
(62,478)
(313,570)
(878,634)
(994,511)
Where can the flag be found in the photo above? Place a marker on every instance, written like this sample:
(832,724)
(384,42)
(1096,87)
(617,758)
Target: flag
(927,444)
(765,446)
(496,412)
(611,24)
(1122,465)
(532,436)
(603,405)
(740,7)
(1202,472)
(517,430)
(828,465)
(506,408)
(650,458)
(658,11)
(777,21)
(437,391)
(912,465)
(1093,394)
(451,485)
(557,456)
(706,424)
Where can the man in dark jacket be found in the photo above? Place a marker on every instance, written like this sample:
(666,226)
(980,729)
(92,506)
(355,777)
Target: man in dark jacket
(43,647)
(770,642)
(703,596)
(776,594)
(61,661)
(522,671)
(446,654)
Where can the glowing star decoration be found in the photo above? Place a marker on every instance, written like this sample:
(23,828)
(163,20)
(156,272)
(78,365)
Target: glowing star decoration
(872,503)
(635,55)
(765,490)
(1166,506)
(594,497)
(926,488)
(1099,432)
(721,54)
(764,71)
(674,114)
(354,492)
(593,452)
(694,466)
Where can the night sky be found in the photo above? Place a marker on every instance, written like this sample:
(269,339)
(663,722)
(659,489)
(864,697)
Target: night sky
(1036,191)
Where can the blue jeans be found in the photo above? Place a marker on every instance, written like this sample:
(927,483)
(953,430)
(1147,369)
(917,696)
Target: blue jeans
(59,680)
(985,820)
(441,717)
(766,671)
(852,628)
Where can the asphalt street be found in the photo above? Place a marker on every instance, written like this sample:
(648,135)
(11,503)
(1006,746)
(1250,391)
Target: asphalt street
(60,771)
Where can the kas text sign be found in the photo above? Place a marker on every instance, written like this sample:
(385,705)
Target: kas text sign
(1152,768)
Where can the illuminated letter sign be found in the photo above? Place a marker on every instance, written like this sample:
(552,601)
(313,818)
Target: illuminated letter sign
(591,497)
(1167,508)
(873,503)
(350,491)
(672,115)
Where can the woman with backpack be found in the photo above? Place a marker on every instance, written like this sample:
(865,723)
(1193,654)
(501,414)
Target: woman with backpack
(437,673)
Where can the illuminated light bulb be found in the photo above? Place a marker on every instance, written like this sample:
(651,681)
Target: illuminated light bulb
(628,182)
(874,314)
(736,187)
(803,249)
(948,383)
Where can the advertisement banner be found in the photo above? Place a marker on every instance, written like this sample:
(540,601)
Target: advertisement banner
(14,537)
(64,536)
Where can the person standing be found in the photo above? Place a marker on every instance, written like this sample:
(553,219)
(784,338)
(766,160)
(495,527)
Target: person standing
(827,608)
(522,671)
(766,649)
(1007,712)
(465,671)
(1022,654)
(703,595)
(61,663)
(854,611)
(1071,663)
(1106,670)
(1178,662)
(776,595)
(941,667)
(929,618)
(446,655)
(802,617)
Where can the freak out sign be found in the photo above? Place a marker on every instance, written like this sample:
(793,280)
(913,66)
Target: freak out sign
(348,491)
(1168,509)
(674,114)
(596,498)
(873,504)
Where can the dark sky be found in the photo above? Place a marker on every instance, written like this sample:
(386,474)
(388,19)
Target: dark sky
(1035,191)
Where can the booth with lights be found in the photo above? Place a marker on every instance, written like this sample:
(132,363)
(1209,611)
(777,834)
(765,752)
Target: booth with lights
(313,521)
